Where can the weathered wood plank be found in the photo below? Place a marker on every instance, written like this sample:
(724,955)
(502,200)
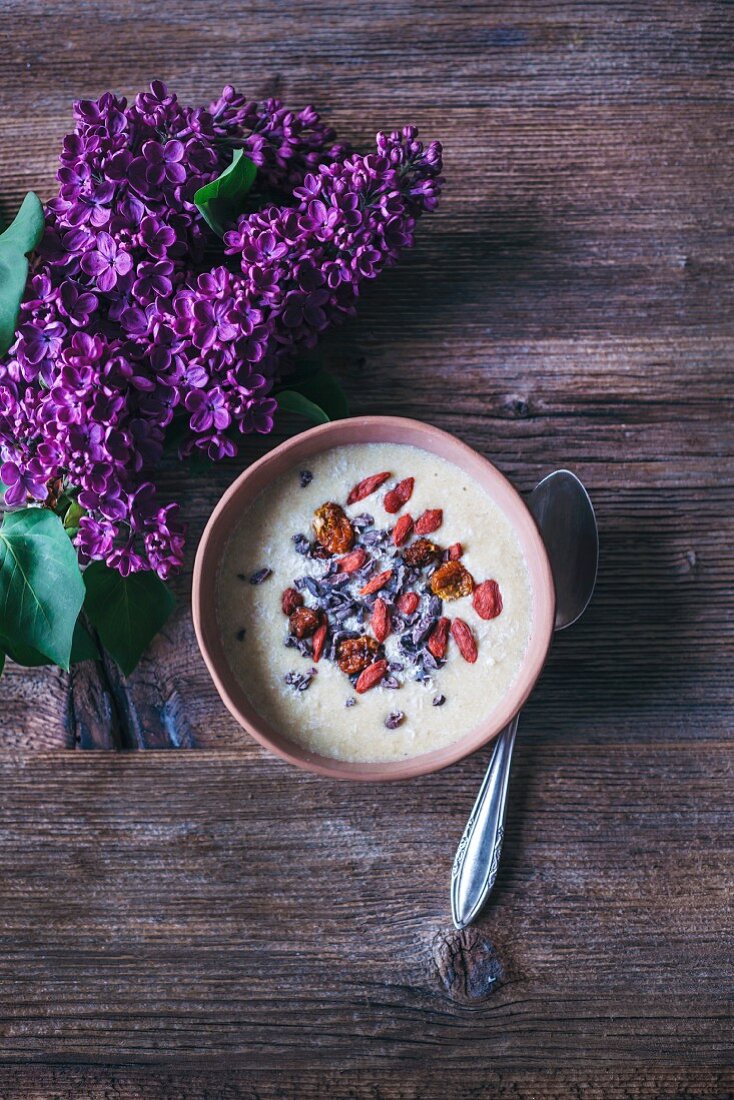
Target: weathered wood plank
(238,1081)
(253,911)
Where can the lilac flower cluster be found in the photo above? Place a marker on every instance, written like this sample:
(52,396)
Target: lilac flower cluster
(123,328)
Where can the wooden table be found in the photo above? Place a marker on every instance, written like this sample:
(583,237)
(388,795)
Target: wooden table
(210,922)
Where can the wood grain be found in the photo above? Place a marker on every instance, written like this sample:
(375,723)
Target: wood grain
(211,923)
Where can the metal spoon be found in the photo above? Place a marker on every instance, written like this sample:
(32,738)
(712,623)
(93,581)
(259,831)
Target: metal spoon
(565,516)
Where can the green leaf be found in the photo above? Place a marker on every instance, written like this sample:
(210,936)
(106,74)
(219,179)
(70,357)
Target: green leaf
(127,612)
(20,238)
(290,401)
(83,648)
(318,396)
(221,201)
(41,588)
(72,515)
(24,655)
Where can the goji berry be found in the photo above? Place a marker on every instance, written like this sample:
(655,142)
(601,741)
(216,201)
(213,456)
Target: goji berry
(439,639)
(401,530)
(380,620)
(371,676)
(429,521)
(366,487)
(376,583)
(319,639)
(400,495)
(408,603)
(487,600)
(464,639)
(352,561)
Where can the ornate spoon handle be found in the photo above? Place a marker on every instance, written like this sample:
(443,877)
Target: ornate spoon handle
(478,855)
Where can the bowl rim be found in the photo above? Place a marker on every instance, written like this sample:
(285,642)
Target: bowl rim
(543,601)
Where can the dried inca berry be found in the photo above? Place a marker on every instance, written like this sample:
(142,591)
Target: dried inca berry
(333,530)
(303,622)
(487,601)
(451,580)
(355,654)
(421,553)
(290,600)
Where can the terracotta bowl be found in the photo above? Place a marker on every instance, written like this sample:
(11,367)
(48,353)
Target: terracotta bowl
(368,429)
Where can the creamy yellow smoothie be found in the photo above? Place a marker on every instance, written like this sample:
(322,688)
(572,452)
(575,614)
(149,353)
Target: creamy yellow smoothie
(333,614)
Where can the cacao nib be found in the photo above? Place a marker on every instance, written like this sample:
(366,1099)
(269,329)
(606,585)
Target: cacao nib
(336,580)
(300,681)
(374,537)
(261,575)
(305,477)
(438,700)
(435,606)
(423,628)
(364,519)
(301,544)
(312,585)
(351,702)
(394,719)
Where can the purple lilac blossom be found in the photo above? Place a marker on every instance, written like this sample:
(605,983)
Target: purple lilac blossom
(121,330)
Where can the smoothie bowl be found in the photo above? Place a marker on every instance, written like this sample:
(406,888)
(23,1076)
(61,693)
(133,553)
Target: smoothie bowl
(373,599)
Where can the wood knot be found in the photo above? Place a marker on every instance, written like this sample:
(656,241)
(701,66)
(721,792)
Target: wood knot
(516,407)
(468,965)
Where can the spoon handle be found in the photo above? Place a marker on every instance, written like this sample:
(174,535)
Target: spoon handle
(478,855)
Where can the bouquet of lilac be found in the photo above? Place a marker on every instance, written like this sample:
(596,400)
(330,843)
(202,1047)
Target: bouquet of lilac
(188,258)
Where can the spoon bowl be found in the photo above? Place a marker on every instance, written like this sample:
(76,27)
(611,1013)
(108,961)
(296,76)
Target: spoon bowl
(565,516)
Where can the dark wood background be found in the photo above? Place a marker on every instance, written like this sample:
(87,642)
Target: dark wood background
(213,923)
